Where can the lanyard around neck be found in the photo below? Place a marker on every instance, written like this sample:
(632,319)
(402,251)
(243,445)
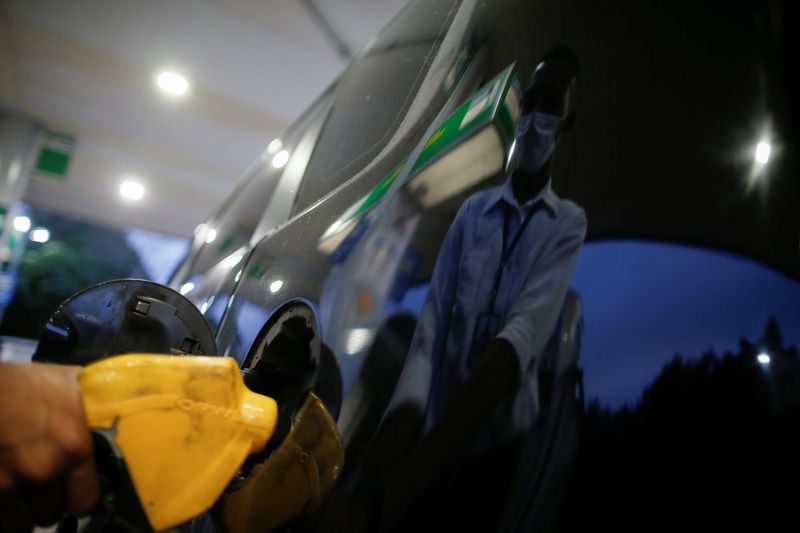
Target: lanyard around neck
(507,252)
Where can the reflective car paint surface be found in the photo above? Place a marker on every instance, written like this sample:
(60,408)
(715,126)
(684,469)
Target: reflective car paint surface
(673,101)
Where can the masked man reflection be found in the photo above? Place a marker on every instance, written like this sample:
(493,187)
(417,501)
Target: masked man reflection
(495,296)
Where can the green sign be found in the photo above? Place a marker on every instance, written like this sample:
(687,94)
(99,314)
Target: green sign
(55,154)
(497,102)
(494,109)
(378,192)
(472,145)
(345,222)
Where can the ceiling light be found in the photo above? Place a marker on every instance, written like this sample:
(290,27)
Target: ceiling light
(41,235)
(172,83)
(186,288)
(762,152)
(280,159)
(211,235)
(131,190)
(275,286)
(274,146)
(22,223)
(763,358)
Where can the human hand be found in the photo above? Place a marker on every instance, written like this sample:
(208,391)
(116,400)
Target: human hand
(46,461)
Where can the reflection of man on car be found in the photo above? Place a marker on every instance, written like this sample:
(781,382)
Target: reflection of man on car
(495,296)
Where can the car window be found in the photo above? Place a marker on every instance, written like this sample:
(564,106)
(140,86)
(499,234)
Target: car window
(374,96)
(234,224)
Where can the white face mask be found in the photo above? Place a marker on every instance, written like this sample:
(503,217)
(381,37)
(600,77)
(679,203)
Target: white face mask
(536,140)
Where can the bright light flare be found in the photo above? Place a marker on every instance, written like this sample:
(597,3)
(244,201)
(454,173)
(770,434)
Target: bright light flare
(232,260)
(275,286)
(764,358)
(40,235)
(131,190)
(511,151)
(357,340)
(274,146)
(763,151)
(206,305)
(22,223)
(204,233)
(186,288)
(760,157)
(172,83)
(280,159)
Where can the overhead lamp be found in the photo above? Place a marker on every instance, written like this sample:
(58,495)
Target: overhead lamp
(22,223)
(131,190)
(280,159)
(760,156)
(211,234)
(40,235)
(763,151)
(172,83)
(764,358)
(275,286)
(275,145)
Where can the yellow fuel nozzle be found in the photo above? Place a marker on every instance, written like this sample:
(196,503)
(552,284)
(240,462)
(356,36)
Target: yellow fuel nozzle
(184,426)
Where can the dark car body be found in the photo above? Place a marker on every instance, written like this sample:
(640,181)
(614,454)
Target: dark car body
(671,98)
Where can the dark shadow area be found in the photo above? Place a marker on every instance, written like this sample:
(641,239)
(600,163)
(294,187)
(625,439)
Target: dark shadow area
(713,442)
(363,410)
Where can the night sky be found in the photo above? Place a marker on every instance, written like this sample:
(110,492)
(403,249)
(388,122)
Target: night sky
(644,302)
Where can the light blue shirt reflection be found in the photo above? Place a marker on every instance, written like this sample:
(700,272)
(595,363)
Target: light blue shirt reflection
(529,299)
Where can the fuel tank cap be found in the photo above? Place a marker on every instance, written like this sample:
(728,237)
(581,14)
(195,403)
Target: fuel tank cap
(124,316)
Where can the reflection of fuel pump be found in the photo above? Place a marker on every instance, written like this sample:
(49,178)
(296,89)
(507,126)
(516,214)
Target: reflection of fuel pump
(173,432)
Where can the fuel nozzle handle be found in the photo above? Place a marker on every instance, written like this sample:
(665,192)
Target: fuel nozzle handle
(182,425)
